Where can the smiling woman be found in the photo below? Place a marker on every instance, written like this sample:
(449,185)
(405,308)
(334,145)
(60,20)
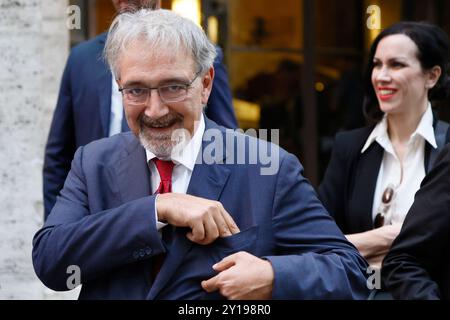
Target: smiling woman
(399,80)
(407,69)
(409,45)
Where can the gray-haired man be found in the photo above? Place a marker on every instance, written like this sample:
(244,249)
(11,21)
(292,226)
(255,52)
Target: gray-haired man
(139,199)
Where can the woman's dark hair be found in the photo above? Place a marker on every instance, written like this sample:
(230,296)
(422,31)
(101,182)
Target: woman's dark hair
(433,50)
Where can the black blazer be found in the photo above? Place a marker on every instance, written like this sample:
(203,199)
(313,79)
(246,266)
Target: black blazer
(349,183)
(418,264)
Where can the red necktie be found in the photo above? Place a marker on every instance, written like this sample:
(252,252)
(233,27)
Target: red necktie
(165,169)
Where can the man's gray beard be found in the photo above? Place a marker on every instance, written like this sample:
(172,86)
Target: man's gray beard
(166,148)
(162,148)
(161,144)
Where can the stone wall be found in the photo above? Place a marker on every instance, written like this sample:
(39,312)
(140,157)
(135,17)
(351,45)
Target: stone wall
(34,44)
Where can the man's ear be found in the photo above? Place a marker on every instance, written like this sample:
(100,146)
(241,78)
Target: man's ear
(433,76)
(207,83)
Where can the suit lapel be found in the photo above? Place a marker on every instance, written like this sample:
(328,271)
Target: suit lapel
(132,172)
(207,181)
(366,175)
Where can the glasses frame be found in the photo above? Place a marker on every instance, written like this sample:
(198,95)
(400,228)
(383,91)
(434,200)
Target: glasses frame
(148,91)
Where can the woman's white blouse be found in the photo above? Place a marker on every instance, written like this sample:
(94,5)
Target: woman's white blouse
(391,170)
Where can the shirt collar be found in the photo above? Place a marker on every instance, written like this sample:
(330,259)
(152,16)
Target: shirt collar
(379,134)
(188,155)
(424,129)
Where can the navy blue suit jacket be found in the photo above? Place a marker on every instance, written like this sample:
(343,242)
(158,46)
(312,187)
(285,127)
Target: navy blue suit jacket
(83,110)
(104,222)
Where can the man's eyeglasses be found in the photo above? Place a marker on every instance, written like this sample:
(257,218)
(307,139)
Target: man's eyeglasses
(168,93)
(385,206)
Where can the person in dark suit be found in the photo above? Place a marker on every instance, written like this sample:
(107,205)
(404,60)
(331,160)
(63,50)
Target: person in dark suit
(418,264)
(375,171)
(89,106)
(169,211)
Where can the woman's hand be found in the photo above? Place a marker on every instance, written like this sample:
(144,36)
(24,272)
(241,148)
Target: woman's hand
(374,244)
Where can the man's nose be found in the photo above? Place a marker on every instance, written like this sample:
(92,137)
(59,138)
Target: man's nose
(154,107)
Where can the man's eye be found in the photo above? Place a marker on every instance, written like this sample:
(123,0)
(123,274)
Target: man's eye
(136,92)
(174,88)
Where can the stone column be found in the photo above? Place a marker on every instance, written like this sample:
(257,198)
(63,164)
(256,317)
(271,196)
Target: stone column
(34,44)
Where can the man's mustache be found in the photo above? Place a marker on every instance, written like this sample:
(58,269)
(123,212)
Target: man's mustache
(165,121)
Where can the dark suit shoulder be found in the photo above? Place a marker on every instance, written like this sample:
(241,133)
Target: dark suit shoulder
(89,49)
(351,142)
(219,57)
(442,164)
(111,149)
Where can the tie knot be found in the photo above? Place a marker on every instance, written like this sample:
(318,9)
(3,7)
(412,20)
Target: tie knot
(165,169)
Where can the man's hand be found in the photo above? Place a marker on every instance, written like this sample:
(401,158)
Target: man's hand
(242,276)
(207,219)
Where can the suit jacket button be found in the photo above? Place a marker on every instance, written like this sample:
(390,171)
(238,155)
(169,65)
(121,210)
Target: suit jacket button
(136,255)
(148,251)
(142,253)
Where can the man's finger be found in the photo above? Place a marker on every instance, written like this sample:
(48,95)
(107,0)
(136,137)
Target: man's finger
(197,231)
(225,264)
(211,284)
(222,226)
(211,230)
(232,226)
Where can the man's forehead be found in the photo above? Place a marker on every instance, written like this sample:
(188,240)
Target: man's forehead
(155,78)
(136,63)
(158,54)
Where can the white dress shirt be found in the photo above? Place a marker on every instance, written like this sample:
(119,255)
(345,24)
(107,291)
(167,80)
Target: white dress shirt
(406,184)
(115,120)
(184,165)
